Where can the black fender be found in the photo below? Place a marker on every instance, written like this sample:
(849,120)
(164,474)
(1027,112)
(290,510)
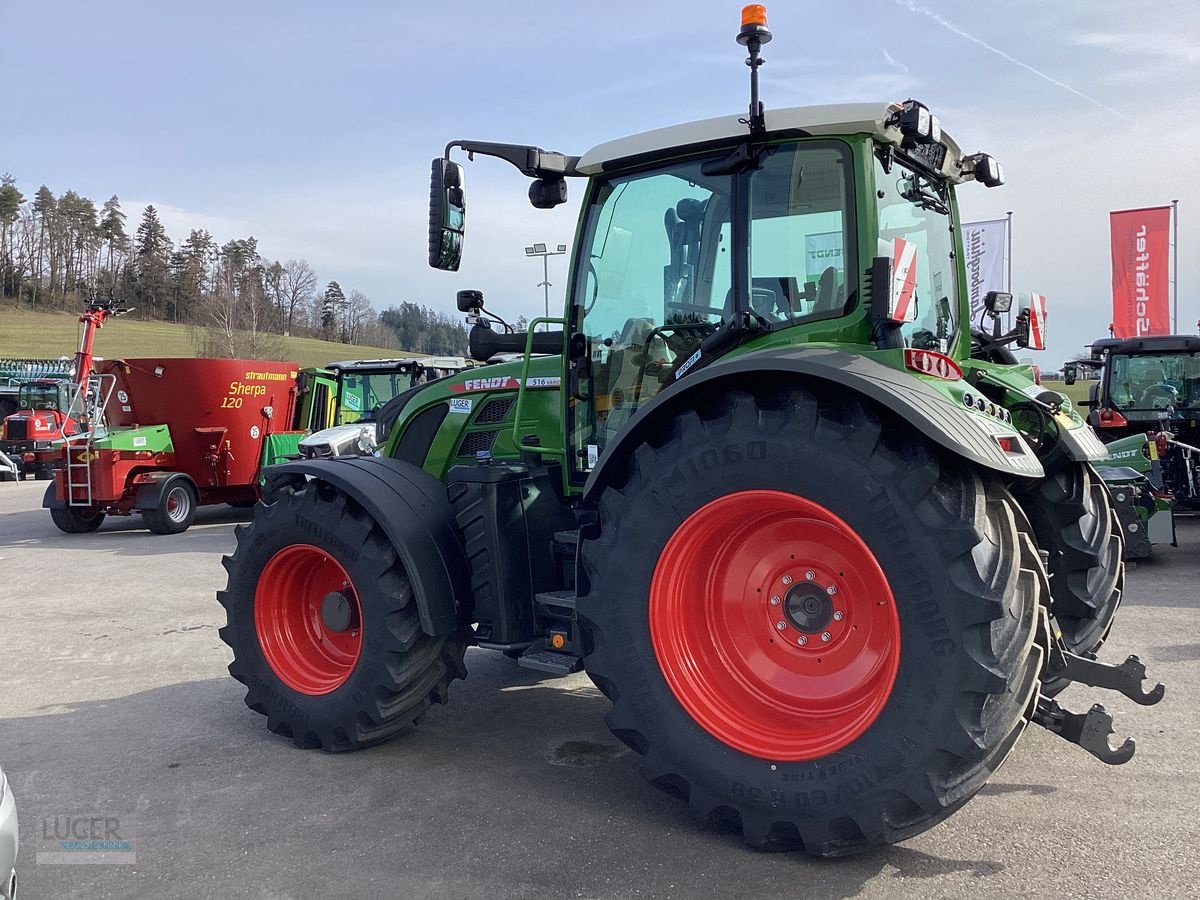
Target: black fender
(149,494)
(412,508)
(945,423)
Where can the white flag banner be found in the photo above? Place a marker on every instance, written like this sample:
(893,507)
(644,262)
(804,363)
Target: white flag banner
(984,244)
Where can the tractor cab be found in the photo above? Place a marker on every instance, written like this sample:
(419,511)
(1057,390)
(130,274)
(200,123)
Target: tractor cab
(815,226)
(48,395)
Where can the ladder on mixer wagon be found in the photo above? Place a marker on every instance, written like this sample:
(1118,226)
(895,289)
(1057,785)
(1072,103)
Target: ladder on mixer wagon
(88,403)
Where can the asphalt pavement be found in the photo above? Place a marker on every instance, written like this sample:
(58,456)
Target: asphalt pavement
(117,716)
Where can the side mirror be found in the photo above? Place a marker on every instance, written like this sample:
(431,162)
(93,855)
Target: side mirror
(469,301)
(1031,323)
(447,215)
(1070,373)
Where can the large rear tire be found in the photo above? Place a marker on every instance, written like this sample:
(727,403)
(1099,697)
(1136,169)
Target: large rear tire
(827,726)
(76,520)
(324,625)
(1073,520)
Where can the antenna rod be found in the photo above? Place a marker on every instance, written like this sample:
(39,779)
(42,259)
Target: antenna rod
(753,35)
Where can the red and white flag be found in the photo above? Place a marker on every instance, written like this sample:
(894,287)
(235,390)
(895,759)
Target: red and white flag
(1140,256)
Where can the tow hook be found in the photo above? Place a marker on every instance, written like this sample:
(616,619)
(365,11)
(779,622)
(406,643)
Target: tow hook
(1091,730)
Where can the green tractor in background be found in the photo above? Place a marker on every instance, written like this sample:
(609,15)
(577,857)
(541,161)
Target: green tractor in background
(1145,404)
(827,550)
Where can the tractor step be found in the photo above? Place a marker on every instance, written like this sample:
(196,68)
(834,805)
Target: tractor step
(557,600)
(551,661)
(567,538)
(1090,730)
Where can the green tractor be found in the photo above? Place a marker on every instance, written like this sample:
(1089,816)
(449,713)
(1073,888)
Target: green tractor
(827,550)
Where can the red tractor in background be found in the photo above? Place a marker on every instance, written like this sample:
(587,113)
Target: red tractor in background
(43,416)
(49,410)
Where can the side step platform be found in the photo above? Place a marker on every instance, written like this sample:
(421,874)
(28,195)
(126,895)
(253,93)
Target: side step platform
(560,652)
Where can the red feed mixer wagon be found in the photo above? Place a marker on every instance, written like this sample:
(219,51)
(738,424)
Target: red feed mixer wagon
(163,436)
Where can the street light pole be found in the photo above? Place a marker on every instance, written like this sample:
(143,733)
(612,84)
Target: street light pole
(545,253)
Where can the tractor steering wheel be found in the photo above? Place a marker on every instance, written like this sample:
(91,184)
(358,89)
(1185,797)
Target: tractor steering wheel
(1164,391)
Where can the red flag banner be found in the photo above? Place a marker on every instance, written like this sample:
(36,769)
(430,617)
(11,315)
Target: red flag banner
(1140,249)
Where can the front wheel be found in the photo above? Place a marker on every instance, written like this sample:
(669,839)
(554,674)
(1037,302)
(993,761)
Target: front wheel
(77,520)
(814,627)
(324,625)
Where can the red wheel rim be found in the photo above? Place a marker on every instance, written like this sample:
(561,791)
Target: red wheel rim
(308,653)
(774,625)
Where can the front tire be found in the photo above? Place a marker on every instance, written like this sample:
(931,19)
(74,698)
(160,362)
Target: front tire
(324,626)
(76,520)
(877,725)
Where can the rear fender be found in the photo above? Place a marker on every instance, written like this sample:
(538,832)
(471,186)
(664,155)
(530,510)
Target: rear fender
(149,488)
(941,421)
(413,510)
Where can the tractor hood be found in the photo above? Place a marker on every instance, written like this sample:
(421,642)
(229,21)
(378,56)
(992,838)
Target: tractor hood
(354,439)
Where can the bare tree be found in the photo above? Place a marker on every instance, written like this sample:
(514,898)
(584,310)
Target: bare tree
(297,287)
(359,315)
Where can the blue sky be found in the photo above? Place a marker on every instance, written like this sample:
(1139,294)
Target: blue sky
(311,125)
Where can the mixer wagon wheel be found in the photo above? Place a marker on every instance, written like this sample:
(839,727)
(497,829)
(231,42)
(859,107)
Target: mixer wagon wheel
(1072,516)
(76,520)
(817,628)
(176,508)
(324,624)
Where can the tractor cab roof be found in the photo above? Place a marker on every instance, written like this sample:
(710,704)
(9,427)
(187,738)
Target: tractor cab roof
(405,365)
(845,118)
(1167,343)
(376,365)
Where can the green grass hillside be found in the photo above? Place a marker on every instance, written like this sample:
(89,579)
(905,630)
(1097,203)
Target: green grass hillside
(29,334)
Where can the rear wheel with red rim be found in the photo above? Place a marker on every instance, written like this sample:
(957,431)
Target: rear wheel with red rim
(812,626)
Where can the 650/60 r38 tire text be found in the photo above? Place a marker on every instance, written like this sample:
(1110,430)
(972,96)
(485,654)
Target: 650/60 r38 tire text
(813,626)
(324,625)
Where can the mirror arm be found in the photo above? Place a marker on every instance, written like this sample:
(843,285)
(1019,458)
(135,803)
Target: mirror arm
(531,161)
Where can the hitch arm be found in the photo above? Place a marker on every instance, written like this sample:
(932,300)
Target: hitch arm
(1089,730)
(1127,678)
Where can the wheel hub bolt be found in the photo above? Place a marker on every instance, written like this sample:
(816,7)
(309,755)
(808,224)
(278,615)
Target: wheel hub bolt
(775,601)
(825,635)
(810,574)
(781,625)
(802,640)
(838,615)
(787,579)
(831,590)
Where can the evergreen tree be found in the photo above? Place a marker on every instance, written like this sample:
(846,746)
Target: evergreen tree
(152,249)
(331,305)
